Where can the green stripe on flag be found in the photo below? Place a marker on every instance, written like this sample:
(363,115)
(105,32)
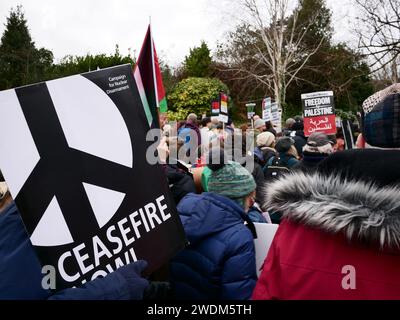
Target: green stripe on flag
(163,105)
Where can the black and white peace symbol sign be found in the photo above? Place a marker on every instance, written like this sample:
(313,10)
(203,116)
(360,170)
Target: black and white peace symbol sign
(71,188)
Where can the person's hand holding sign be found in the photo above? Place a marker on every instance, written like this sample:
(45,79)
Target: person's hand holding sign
(163,150)
(136,284)
(126,283)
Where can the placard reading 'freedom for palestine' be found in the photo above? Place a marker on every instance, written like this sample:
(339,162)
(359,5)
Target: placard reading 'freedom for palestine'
(73,152)
(319,112)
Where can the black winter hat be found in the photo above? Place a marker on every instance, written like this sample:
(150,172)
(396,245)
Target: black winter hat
(283,144)
(369,165)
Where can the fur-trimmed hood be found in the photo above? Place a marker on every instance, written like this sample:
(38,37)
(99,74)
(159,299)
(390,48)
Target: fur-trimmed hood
(356,208)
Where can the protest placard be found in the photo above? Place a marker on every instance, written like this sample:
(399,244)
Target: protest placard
(215,109)
(276,117)
(250,110)
(319,112)
(74,157)
(266,109)
(223,104)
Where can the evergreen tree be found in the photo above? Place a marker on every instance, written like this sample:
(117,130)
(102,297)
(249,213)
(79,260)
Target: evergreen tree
(20,62)
(71,65)
(197,64)
(332,67)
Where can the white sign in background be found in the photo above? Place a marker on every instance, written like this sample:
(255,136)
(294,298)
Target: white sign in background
(266,109)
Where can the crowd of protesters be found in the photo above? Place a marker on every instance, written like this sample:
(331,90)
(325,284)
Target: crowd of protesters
(337,209)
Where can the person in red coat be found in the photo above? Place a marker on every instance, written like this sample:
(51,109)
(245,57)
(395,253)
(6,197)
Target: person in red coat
(340,233)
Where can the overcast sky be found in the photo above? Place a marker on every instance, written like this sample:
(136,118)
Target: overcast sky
(78,27)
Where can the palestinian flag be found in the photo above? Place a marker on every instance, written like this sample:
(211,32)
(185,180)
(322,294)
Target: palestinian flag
(215,108)
(149,81)
(162,99)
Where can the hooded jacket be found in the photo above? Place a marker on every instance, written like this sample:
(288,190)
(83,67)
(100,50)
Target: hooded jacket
(219,263)
(21,274)
(340,235)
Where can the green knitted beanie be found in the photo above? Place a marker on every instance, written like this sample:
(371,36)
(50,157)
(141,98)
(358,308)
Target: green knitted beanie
(232,181)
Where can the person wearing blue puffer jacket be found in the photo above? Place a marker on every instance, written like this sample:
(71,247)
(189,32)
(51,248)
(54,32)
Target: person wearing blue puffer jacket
(219,262)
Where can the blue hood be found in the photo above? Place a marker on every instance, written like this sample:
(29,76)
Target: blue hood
(20,269)
(258,153)
(208,213)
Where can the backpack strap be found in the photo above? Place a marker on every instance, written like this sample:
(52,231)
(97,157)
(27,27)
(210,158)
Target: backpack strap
(249,224)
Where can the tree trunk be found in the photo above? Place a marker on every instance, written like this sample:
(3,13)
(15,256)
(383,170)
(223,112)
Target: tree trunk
(395,75)
(280,91)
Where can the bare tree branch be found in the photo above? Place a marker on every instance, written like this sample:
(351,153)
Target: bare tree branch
(378,30)
(279,54)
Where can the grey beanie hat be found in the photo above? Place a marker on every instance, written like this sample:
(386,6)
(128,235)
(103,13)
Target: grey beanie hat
(259,123)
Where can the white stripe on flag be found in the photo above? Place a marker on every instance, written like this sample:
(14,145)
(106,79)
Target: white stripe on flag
(142,93)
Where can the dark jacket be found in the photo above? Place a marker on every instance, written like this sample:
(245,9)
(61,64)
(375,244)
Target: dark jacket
(299,142)
(286,132)
(256,216)
(180,183)
(286,160)
(258,175)
(310,161)
(21,273)
(219,263)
